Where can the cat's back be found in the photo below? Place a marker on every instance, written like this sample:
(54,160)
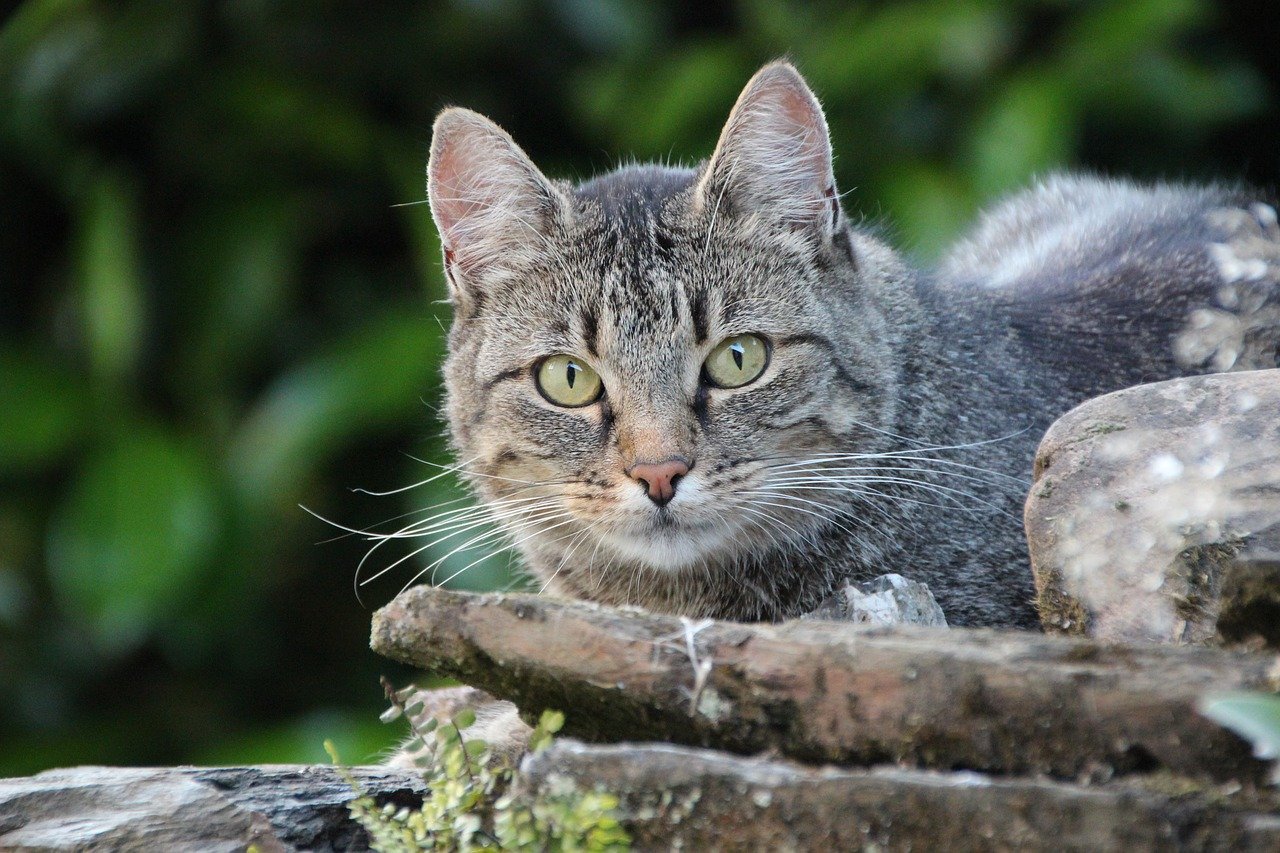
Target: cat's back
(1103,283)
(1068,232)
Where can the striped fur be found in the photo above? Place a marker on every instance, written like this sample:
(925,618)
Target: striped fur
(895,425)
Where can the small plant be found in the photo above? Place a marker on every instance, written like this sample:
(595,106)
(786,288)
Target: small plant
(1253,716)
(471,804)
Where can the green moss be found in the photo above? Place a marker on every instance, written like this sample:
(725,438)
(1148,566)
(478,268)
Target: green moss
(470,803)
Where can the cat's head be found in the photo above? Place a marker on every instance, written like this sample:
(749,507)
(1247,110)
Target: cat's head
(642,366)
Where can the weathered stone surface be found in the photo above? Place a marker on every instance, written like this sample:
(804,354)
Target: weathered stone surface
(886,600)
(497,722)
(1146,500)
(282,807)
(835,692)
(680,798)
(670,798)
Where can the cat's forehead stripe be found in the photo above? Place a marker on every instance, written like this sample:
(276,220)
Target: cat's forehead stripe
(590,329)
(698,312)
(640,292)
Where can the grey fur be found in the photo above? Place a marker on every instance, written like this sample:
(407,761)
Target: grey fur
(1073,288)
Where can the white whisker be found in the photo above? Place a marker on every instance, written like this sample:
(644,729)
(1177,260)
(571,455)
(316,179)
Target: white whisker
(486,523)
(487,556)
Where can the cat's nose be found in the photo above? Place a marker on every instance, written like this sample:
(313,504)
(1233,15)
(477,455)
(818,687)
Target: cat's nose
(659,479)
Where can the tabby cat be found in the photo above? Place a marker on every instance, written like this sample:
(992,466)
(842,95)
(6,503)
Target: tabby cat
(707,392)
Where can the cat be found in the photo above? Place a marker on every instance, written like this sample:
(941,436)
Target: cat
(706,391)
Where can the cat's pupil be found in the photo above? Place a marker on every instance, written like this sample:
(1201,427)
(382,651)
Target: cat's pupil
(571,373)
(737,351)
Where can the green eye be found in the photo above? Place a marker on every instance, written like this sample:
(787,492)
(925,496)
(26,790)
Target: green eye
(737,361)
(568,381)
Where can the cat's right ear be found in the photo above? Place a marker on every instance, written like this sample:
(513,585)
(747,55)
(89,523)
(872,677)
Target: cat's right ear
(490,203)
(773,160)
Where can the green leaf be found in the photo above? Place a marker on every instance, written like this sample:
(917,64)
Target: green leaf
(476,748)
(1104,35)
(133,536)
(405,172)
(678,104)
(306,121)
(110,277)
(551,721)
(882,49)
(298,740)
(465,718)
(1028,129)
(43,412)
(1183,95)
(1253,716)
(931,205)
(237,263)
(374,377)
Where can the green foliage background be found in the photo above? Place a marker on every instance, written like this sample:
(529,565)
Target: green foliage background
(212,309)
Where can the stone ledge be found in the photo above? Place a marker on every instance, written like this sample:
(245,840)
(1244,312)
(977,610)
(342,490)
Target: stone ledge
(277,807)
(826,692)
(676,797)
(669,797)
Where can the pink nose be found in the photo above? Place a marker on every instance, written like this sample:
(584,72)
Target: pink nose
(659,478)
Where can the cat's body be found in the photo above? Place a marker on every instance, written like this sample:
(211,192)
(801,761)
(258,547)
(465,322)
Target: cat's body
(893,425)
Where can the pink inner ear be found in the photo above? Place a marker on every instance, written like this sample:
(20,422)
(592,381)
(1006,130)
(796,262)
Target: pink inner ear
(486,195)
(801,116)
(459,188)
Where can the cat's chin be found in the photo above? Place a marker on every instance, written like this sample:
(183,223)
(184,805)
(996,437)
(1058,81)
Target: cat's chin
(669,547)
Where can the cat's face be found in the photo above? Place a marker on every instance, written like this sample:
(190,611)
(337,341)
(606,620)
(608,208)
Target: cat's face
(641,366)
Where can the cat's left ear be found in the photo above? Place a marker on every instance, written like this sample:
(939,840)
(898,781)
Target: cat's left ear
(492,205)
(773,159)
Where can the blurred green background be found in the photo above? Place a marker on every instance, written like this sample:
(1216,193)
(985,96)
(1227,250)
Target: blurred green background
(220,297)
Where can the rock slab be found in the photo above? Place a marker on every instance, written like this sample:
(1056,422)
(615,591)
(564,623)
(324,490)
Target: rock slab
(832,692)
(278,808)
(680,798)
(886,600)
(1147,501)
